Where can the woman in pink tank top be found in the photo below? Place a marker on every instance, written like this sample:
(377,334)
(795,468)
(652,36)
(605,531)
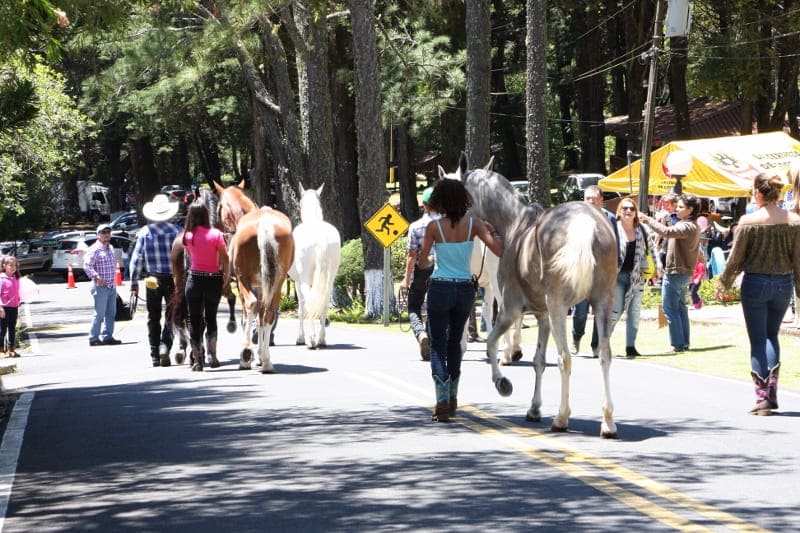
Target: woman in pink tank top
(209,255)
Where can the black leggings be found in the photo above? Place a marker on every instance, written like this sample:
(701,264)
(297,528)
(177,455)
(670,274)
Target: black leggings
(9,323)
(203,293)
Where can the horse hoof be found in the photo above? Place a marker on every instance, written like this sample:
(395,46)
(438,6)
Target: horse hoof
(231,327)
(180,357)
(300,343)
(247,355)
(504,362)
(322,345)
(503,386)
(269,370)
(532,417)
(558,429)
(516,356)
(608,434)
(243,366)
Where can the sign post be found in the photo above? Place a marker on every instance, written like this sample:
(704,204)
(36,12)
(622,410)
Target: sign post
(386,225)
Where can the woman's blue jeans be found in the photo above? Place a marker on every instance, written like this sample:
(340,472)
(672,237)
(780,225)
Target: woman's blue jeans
(673,298)
(449,305)
(633,304)
(765,299)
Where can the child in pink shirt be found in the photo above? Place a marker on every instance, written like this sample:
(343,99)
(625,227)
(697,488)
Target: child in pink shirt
(9,303)
(696,279)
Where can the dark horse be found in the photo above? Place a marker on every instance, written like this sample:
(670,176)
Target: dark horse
(552,260)
(180,264)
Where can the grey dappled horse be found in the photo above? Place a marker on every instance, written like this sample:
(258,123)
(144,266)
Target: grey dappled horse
(552,260)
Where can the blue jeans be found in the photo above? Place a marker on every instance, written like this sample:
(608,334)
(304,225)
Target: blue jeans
(673,298)
(633,305)
(764,301)
(105,310)
(579,315)
(449,304)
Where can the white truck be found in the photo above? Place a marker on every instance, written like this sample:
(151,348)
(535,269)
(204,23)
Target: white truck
(93,201)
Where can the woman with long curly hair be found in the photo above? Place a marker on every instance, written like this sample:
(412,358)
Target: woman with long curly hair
(451,292)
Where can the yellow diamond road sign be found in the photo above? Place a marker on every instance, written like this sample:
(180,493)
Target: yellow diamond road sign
(386,225)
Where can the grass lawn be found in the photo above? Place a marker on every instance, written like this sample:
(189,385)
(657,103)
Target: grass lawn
(720,350)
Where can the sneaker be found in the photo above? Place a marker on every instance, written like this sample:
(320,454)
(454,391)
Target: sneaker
(111,341)
(424,346)
(575,346)
(95,342)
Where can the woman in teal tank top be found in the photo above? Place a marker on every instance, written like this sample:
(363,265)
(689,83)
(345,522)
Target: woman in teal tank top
(451,293)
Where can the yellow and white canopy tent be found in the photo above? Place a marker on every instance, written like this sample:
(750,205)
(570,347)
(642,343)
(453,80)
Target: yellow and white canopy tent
(722,167)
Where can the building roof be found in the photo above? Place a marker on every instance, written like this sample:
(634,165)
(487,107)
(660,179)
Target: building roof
(708,119)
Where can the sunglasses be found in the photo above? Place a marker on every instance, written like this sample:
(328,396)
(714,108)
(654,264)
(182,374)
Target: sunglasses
(627,208)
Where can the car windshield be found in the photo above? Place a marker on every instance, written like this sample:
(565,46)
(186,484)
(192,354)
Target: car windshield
(588,180)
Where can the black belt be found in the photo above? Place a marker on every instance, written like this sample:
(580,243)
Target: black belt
(205,274)
(453,280)
(157,274)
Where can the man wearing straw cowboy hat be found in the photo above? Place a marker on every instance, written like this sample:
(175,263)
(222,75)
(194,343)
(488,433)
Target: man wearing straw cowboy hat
(151,256)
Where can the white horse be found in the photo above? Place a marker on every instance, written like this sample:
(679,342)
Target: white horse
(553,259)
(316,260)
(483,265)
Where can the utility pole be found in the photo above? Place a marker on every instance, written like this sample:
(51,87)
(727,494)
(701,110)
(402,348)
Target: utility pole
(650,108)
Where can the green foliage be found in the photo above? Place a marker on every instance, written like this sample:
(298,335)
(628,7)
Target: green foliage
(287,303)
(709,295)
(651,297)
(355,314)
(350,277)
(34,156)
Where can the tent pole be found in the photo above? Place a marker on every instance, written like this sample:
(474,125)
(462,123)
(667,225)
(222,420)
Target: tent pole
(650,110)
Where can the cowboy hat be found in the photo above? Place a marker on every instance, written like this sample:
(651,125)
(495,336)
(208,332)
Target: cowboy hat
(160,208)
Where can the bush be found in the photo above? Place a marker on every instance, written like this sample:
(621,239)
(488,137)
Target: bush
(350,278)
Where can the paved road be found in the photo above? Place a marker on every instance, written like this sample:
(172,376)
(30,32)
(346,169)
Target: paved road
(340,439)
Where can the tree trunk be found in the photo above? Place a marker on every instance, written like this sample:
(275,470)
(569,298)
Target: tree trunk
(679,48)
(143,168)
(344,140)
(371,159)
(409,204)
(638,30)
(590,97)
(536,124)
(479,50)
(787,70)
(512,167)
(316,115)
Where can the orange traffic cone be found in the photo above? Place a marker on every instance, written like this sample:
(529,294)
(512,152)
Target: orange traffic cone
(118,276)
(70,277)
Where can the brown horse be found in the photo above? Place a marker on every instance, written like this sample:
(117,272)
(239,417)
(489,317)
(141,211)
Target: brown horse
(261,252)
(180,265)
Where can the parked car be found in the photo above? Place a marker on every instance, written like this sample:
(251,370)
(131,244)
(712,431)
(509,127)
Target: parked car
(575,184)
(32,256)
(176,193)
(72,250)
(126,222)
(522,190)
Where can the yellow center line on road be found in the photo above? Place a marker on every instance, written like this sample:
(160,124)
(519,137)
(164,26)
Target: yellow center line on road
(569,463)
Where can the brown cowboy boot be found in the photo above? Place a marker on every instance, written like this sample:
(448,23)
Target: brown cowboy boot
(441,412)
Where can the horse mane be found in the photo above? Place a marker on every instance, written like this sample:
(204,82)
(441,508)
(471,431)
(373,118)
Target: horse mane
(494,199)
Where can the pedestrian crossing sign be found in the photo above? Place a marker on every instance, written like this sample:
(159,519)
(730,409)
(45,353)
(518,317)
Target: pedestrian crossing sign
(386,225)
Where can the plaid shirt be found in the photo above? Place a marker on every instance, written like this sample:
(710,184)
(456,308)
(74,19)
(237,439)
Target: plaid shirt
(153,250)
(416,231)
(100,261)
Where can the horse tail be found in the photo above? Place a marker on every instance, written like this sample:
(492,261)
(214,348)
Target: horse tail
(176,304)
(574,263)
(268,256)
(321,282)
